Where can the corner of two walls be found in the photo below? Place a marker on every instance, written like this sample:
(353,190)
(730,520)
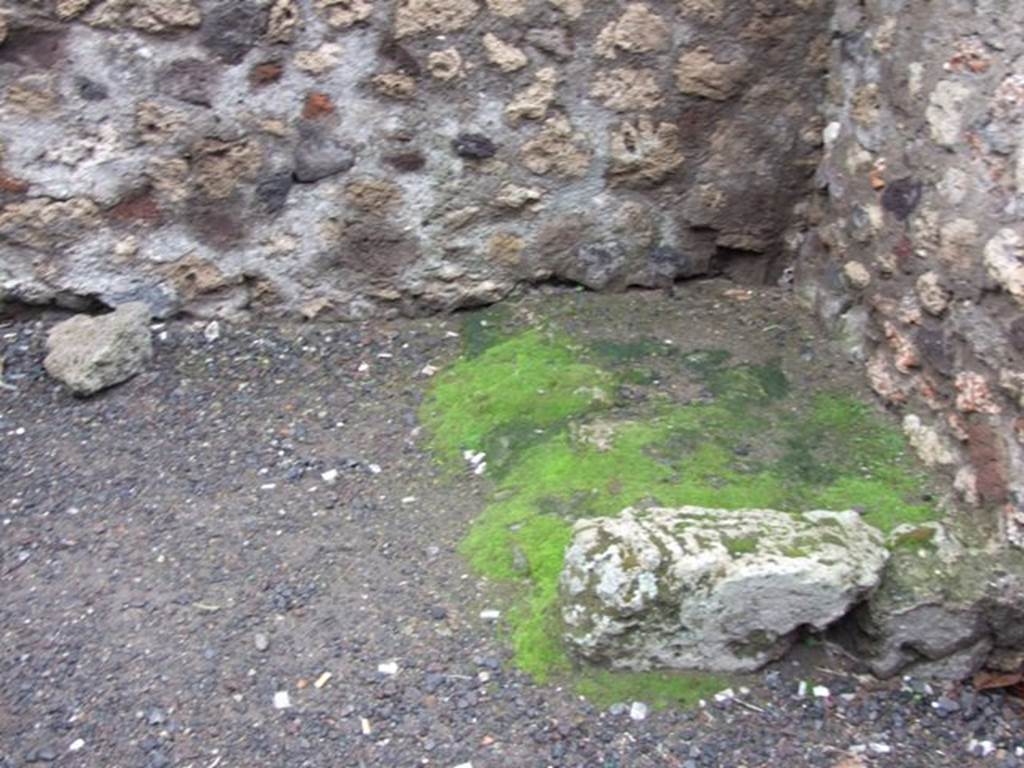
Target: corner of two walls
(346,158)
(918,261)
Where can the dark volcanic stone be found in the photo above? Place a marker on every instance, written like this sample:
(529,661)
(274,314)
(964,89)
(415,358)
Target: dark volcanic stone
(90,90)
(475,146)
(1017,334)
(406,161)
(231,29)
(273,191)
(33,47)
(901,197)
(317,157)
(189,80)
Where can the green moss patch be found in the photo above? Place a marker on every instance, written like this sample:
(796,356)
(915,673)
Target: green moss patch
(534,401)
(510,392)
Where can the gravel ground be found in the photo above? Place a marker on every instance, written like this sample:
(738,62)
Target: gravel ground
(174,563)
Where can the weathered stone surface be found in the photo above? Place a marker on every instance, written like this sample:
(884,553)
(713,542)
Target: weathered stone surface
(220,166)
(283,22)
(628,90)
(344,13)
(475,146)
(558,150)
(42,223)
(1004,259)
(189,80)
(231,29)
(504,56)
(532,102)
(89,354)
(644,154)
(942,609)
(711,589)
(637,30)
(700,73)
(146,15)
(445,65)
(417,16)
(318,157)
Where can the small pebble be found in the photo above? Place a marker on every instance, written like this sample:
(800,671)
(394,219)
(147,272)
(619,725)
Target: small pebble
(261,641)
(282,700)
(638,711)
(322,680)
(389,668)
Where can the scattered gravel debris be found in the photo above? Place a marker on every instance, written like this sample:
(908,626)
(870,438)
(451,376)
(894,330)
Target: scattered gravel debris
(123,512)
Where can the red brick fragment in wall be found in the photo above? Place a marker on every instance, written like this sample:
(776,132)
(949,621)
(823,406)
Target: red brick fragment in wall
(12,185)
(317,105)
(140,208)
(985,449)
(266,73)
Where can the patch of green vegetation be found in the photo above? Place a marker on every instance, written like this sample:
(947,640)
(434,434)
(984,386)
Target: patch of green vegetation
(660,690)
(753,446)
(914,540)
(706,360)
(509,391)
(740,545)
(483,328)
(618,352)
(843,455)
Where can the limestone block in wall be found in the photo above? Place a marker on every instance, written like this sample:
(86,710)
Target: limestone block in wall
(643,153)
(1004,259)
(626,89)
(414,17)
(945,112)
(558,150)
(637,30)
(700,73)
(344,13)
(156,16)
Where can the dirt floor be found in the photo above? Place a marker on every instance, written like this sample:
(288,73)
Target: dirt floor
(256,521)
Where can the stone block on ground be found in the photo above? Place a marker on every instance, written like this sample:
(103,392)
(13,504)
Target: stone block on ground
(90,353)
(696,588)
(943,610)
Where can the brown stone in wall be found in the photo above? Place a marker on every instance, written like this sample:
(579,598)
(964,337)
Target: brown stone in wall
(11,185)
(988,457)
(266,73)
(317,105)
(137,208)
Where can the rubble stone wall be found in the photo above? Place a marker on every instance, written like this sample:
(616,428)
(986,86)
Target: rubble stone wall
(919,257)
(337,158)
